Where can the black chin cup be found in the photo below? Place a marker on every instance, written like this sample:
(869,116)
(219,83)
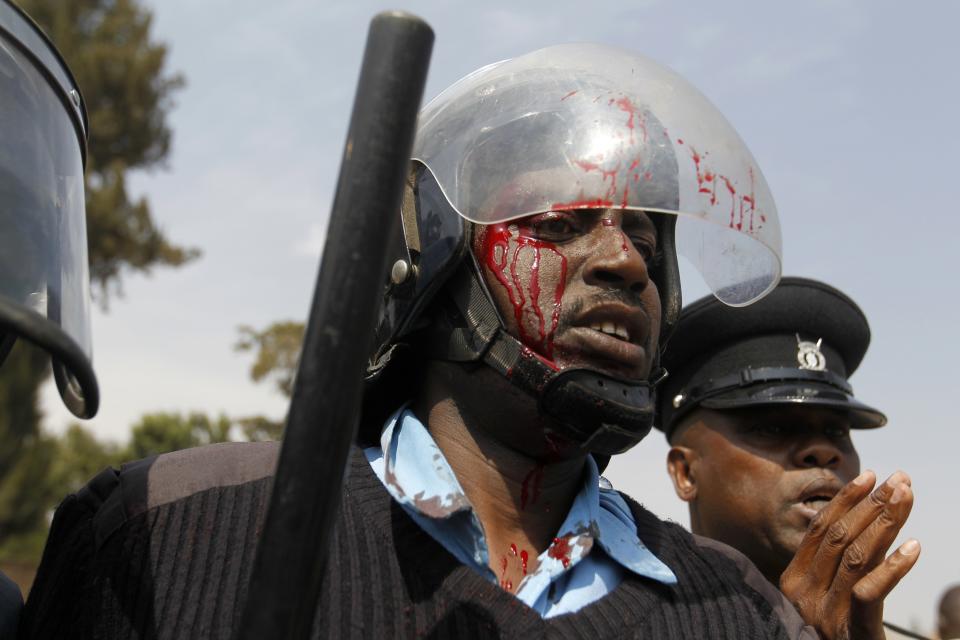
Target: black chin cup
(598,413)
(602,414)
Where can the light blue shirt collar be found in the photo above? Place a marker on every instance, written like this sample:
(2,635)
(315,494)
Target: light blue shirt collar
(418,477)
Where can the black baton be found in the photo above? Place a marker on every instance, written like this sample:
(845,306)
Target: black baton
(325,406)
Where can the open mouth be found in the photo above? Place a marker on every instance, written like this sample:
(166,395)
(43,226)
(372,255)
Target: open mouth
(817,502)
(609,337)
(817,494)
(612,329)
(617,320)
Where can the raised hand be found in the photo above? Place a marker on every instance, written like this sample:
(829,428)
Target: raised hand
(841,574)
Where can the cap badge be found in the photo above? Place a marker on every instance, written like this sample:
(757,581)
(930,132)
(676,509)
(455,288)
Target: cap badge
(809,355)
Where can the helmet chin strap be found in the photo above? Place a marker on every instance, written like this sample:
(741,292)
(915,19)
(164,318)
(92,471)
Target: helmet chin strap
(599,413)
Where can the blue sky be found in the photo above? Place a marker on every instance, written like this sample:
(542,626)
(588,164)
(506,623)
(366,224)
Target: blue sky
(848,107)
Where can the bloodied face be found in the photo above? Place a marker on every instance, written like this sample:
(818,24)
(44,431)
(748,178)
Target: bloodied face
(574,287)
(756,477)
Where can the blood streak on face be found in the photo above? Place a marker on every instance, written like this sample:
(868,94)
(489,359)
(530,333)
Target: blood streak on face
(625,244)
(560,550)
(524,557)
(502,249)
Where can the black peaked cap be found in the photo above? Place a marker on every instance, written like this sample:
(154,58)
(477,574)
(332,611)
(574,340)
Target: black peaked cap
(798,345)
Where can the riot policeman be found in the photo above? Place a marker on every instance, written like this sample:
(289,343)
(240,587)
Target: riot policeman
(522,328)
(524,317)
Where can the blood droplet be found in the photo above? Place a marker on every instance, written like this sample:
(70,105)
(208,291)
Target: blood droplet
(624,241)
(560,550)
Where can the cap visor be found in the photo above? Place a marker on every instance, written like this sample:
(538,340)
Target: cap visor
(861,415)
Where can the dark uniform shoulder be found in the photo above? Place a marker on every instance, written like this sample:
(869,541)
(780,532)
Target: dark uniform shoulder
(114,496)
(120,546)
(693,557)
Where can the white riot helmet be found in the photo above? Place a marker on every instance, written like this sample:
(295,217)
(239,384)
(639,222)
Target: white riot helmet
(577,126)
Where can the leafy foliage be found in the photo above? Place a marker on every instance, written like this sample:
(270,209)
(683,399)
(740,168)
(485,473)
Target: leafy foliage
(162,432)
(260,428)
(277,352)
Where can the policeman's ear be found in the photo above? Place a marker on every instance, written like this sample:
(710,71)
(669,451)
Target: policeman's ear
(681,465)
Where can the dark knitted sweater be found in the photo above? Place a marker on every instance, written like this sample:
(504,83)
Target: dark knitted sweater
(164,548)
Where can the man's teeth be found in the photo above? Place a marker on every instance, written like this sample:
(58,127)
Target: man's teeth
(612,329)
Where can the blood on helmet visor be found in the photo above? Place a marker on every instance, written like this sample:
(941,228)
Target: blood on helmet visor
(585,126)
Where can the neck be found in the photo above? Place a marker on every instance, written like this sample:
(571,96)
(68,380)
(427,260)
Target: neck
(768,563)
(520,488)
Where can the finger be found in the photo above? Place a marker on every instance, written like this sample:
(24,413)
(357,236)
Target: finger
(866,603)
(842,532)
(847,498)
(798,577)
(867,551)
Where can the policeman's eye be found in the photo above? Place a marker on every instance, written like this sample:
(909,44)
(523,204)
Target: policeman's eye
(837,432)
(769,430)
(554,226)
(647,250)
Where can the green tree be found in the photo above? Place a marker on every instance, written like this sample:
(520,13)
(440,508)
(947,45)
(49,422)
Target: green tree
(277,352)
(162,432)
(277,356)
(260,428)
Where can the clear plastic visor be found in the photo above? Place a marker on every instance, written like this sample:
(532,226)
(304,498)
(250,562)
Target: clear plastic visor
(44,280)
(587,126)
